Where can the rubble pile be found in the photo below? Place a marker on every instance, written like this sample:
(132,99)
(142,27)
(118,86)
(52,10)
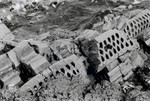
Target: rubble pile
(103,57)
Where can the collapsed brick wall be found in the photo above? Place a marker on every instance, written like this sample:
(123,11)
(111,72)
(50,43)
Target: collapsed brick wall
(113,44)
(110,45)
(105,52)
(64,48)
(119,45)
(23,61)
(71,69)
(8,75)
(27,55)
(135,27)
(6,34)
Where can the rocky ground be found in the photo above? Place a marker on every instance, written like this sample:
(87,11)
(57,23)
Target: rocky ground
(69,20)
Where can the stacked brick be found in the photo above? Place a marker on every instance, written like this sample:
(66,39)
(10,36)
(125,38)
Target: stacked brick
(6,34)
(68,68)
(121,72)
(64,48)
(133,28)
(27,55)
(114,52)
(138,24)
(34,84)
(22,53)
(8,75)
(113,44)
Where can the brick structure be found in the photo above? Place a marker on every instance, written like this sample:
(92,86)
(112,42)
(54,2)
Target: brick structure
(64,48)
(6,34)
(69,67)
(138,24)
(7,75)
(113,44)
(26,54)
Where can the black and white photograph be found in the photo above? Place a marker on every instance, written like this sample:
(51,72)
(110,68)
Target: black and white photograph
(74,50)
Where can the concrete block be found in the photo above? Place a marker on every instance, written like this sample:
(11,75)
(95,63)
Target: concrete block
(69,67)
(39,65)
(29,57)
(2,46)
(6,69)
(128,75)
(5,33)
(124,57)
(138,24)
(64,47)
(15,82)
(120,79)
(126,67)
(4,60)
(33,84)
(0,21)
(34,58)
(116,76)
(114,71)
(147,42)
(65,53)
(12,56)
(23,49)
(112,65)
(113,44)
(83,61)
(46,73)
(9,76)
(43,47)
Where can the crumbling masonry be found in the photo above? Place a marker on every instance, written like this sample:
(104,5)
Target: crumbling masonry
(116,50)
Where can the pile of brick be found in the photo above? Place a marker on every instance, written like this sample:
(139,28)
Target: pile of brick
(24,53)
(11,60)
(68,68)
(122,45)
(138,25)
(64,48)
(8,75)
(115,50)
(27,54)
